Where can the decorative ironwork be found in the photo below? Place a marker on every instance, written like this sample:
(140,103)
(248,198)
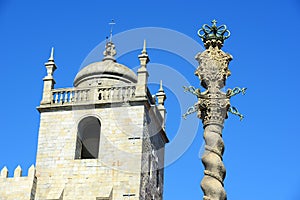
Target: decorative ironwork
(192,90)
(213,34)
(189,111)
(235,91)
(235,111)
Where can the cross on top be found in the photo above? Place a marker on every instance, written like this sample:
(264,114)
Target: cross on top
(112,23)
(214,22)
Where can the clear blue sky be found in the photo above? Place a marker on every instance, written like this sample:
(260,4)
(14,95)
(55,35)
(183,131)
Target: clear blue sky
(262,154)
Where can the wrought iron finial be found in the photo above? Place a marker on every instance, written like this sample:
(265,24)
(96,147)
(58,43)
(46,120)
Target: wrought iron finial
(213,35)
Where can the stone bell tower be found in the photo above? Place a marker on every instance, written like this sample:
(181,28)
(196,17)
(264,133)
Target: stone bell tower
(104,138)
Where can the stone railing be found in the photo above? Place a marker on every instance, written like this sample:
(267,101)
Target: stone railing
(69,95)
(93,94)
(123,93)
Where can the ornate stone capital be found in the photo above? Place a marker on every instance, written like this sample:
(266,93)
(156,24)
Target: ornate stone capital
(213,108)
(213,71)
(213,68)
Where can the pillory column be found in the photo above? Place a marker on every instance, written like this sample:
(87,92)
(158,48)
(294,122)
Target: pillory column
(213,105)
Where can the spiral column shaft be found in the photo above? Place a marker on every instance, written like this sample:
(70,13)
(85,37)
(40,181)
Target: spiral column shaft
(214,174)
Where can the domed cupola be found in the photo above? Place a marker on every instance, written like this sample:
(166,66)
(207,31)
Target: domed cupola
(106,72)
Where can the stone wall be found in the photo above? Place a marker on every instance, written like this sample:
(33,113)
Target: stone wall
(18,187)
(153,155)
(129,164)
(116,172)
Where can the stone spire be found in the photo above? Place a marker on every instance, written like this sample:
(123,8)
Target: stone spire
(142,73)
(212,106)
(49,81)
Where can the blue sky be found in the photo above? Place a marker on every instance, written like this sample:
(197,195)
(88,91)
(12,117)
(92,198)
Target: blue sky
(261,152)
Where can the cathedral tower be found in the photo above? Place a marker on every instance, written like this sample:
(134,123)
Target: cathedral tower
(102,139)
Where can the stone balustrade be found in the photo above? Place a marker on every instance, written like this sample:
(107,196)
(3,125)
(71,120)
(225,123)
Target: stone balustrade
(93,94)
(124,93)
(69,95)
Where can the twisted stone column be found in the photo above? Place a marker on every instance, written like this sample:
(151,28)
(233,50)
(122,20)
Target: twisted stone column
(214,173)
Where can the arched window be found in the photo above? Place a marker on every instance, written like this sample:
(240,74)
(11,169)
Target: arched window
(88,138)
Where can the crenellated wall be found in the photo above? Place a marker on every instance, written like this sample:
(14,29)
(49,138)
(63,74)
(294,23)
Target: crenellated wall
(18,187)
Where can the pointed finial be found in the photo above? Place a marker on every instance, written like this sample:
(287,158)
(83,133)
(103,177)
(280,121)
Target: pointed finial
(51,58)
(144,51)
(112,23)
(18,171)
(161,89)
(214,23)
(4,172)
(161,95)
(50,65)
(144,58)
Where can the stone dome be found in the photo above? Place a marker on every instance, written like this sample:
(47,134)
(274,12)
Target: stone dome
(105,72)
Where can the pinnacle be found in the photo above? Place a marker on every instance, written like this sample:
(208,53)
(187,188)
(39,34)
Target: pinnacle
(161,89)
(51,58)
